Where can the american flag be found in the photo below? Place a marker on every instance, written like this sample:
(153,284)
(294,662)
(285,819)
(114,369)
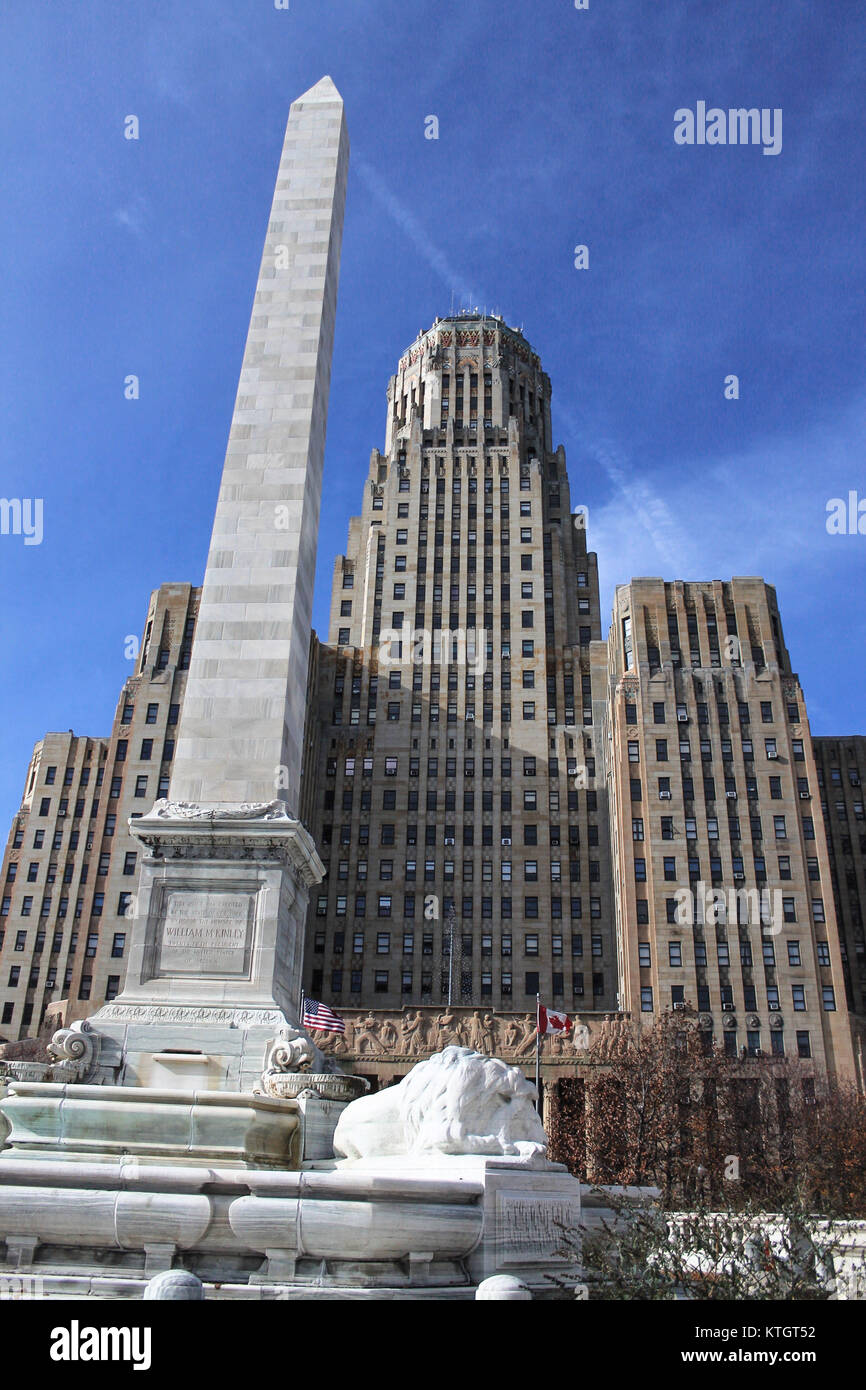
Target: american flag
(320,1016)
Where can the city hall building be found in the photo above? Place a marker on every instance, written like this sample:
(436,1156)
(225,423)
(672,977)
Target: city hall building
(507,803)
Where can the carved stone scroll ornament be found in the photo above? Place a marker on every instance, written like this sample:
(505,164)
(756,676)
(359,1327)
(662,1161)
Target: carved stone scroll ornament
(248,810)
(289,1051)
(73,1051)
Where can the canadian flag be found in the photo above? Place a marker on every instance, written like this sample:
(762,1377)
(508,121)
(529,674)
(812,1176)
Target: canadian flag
(550,1022)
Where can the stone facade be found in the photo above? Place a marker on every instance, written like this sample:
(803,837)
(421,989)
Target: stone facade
(715,792)
(457,704)
(840,766)
(383,1044)
(71,865)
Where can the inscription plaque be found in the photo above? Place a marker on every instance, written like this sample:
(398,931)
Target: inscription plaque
(535,1227)
(205,933)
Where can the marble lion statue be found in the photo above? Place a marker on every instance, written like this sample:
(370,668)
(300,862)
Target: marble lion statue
(457,1102)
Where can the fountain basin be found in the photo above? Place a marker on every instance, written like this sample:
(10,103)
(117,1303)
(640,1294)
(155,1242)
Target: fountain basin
(232,1127)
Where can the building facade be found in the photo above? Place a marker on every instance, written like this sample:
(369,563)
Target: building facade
(722,872)
(840,765)
(70,868)
(459,812)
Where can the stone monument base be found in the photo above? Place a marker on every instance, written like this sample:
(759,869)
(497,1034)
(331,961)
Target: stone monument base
(359,1229)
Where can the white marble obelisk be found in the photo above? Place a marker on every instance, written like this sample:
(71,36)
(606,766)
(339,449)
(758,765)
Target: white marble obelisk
(243,712)
(216,951)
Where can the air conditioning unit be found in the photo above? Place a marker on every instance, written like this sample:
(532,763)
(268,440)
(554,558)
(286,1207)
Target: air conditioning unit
(732,796)
(805,796)
(772,755)
(774,1008)
(728,1008)
(664,796)
(506,840)
(470,717)
(679,1006)
(683,718)
(449,839)
(739,878)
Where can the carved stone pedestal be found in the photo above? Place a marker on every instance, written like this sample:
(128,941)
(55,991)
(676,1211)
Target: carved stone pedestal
(214,973)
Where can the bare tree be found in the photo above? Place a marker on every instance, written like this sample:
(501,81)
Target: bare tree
(671,1110)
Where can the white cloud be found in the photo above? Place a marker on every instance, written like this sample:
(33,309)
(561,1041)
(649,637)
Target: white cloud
(761,512)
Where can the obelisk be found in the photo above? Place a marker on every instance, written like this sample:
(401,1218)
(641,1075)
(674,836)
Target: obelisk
(216,951)
(243,712)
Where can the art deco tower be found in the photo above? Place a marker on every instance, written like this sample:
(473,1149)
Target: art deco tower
(457,774)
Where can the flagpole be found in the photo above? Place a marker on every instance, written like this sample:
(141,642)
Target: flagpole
(538,1053)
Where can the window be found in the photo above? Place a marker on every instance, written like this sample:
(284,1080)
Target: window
(380,982)
(823,949)
(646,999)
(675,953)
(798,995)
(633,751)
(804,1046)
(828,997)
(644,955)
(794,953)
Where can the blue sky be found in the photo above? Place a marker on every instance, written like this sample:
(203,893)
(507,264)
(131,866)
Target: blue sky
(556,128)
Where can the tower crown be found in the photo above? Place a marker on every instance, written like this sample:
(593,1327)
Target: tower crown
(469,372)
